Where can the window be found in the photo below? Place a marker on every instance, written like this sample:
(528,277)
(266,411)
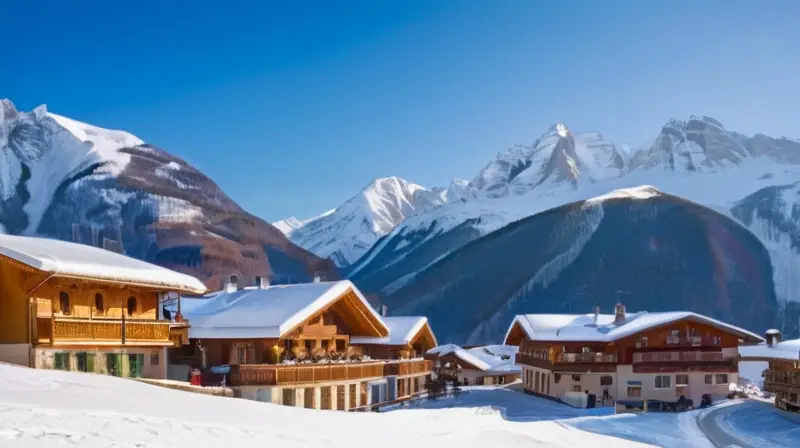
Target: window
(340,345)
(722,378)
(536,382)
(709,379)
(244,354)
(576,377)
(606,380)
(63,302)
(309,345)
(61,361)
(663,382)
(681,380)
(325,345)
(642,342)
(585,350)
(716,340)
(576,388)
(131,306)
(98,303)
(85,362)
(154,359)
(634,391)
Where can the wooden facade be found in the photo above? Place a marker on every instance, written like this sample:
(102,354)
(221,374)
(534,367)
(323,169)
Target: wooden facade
(783,379)
(48,320)
(678,346)
(683,357)
(314,364)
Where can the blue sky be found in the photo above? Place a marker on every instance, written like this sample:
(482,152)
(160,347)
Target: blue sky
(292,107)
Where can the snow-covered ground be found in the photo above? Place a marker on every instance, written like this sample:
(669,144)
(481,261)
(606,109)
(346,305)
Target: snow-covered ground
(676,430)
(41,408)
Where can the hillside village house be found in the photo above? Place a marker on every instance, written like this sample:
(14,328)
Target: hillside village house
(626,357)
(69,306)
(314,345)
(484,365)
(782,378)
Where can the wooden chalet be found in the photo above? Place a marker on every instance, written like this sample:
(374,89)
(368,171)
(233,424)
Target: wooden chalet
(314,345)
(478,365)
(600,359)
(74,307)
(782,378)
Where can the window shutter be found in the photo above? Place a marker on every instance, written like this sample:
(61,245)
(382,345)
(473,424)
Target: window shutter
(90,362)
(59,361)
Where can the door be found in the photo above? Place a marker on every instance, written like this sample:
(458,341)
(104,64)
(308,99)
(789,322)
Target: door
(135,364)
(114,364)
(85,362)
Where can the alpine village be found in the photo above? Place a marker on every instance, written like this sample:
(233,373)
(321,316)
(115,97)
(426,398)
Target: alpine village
(322,345)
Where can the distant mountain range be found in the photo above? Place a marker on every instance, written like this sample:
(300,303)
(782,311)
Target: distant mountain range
(69,180)
(748,181)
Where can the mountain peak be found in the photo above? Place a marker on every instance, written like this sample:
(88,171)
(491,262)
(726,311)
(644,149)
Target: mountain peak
(7,110)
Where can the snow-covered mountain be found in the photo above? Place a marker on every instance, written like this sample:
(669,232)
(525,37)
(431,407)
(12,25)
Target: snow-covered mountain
(346,232)
(697,159)
(70,180)
(654,252)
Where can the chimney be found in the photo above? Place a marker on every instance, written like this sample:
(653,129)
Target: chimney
(773,337)
(261,282)
(317,279)
(384,310)
(596,315)
(232,285)
(619,314)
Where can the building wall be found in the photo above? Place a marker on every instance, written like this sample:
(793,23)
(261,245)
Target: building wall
(562,384)
(18,354)
(82,300)
(277,394)
(694,391)
(15,282)
(154,366)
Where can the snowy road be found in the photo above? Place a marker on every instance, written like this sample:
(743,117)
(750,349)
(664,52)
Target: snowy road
(751,424)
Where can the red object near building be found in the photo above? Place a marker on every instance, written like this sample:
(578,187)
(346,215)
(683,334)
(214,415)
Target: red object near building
(196,378)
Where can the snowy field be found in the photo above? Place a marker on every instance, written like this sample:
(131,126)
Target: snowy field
(41,408)
(668,430)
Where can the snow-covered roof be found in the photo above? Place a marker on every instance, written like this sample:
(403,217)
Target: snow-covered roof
(67,259)
(487,358)
(789,350)
(584,327)
(266,312)
(402,330)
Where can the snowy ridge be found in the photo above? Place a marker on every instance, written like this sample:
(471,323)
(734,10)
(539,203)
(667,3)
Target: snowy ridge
(80,145)
(697,159)
(344,234)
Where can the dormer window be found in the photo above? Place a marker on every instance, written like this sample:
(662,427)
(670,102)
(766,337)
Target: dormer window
(63,302)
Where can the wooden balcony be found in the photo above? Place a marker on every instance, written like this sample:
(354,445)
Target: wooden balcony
(586,358)
(407,368)
(276,375)
(530,360)
(678,356)
(683,361)
(81,331)
(788,388)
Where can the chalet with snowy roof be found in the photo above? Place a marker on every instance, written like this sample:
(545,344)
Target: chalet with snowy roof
(314,345)
(484,365)
(626,357)
(782,378)
(69,306)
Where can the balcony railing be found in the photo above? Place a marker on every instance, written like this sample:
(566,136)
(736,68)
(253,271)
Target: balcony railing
(793,386)
(407,367)
(533,361)
(66,329)
(273,375)
(694,356)
(586,358)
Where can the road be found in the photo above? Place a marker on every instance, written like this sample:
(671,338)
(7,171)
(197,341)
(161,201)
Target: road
(751,424)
